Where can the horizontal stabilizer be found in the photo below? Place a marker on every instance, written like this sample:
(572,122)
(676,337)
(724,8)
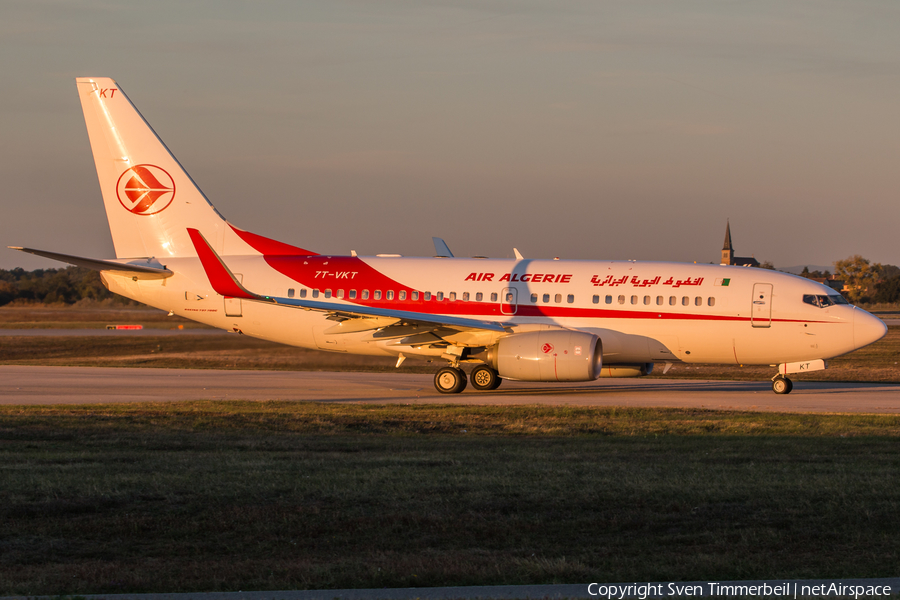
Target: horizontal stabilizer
(143,268)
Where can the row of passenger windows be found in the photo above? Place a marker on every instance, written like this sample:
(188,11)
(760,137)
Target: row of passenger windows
(389,295)
(660,300)
(479,297)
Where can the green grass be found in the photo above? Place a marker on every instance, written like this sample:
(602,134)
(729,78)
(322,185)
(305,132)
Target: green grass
(242,495)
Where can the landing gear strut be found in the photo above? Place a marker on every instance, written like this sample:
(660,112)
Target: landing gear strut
(782,385)
(450,380)
(484,378)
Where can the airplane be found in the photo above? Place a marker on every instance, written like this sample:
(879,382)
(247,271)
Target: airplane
(518,319)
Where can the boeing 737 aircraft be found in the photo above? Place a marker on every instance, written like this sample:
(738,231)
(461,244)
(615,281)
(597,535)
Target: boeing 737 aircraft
(521,319)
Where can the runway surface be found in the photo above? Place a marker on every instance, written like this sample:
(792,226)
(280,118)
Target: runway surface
(85,385)
(108,332)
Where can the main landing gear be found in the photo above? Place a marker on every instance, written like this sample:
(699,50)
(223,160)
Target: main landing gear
(484,378)
(782,385)
(452,380)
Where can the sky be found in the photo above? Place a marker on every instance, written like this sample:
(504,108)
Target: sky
(582,129)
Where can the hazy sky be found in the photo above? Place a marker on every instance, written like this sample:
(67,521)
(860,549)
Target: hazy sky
(622,130)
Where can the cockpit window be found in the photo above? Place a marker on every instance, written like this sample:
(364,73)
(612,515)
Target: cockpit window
(824,301)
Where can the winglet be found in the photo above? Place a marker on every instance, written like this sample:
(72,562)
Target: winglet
(518,254)
(220,276)
(441,248)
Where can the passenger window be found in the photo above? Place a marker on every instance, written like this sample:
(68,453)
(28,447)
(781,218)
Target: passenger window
(646,300)
(328,293)
(596,299)
(452,296)
(570,298)
(673,300)
(340,294)
(660,300)
(440,296)
(353,294)
(634,299)
(315,294)
(609,299)
(465,296)
(389,294)
(303,293)
(698,301)
(533,298)
(621,299)
(546,298)
(711,301)
(427,296)
(685,301)
(290,292)
(415,295)
(494,297)
(479,297)
(377,295)
(557,298)
(402,294)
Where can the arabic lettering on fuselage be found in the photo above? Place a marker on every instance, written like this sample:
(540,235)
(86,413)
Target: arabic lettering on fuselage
(635,281)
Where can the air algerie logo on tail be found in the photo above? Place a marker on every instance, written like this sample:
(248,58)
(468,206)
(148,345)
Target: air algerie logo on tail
(145,189)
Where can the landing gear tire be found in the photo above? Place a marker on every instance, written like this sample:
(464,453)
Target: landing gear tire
(484,378)
(450,380)
(782,385)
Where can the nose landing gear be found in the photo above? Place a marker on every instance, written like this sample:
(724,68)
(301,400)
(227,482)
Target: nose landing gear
(782,385)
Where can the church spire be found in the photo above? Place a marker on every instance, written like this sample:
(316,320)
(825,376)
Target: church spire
(727,249)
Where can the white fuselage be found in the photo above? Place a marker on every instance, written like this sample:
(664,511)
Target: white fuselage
(642,311)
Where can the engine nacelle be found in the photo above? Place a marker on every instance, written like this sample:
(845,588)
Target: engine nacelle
(550,355)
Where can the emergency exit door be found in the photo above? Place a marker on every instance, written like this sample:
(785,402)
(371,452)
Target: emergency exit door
(761,309)
(508,301)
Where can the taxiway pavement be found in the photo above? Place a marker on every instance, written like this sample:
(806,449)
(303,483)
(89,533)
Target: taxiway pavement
(87,385)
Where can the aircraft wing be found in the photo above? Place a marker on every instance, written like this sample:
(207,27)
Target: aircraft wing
(141,268)
(225,283)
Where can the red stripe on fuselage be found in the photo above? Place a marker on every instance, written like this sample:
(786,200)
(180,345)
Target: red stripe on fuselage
(270,247)
(216,272)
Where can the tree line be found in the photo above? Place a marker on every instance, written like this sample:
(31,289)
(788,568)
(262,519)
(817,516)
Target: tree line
(67,285)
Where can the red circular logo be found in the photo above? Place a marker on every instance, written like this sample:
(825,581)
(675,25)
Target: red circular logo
(547,348)
(145,189)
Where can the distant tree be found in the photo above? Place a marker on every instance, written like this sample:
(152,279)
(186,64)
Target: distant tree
(887,290)
(767,265)
(889,271)
(805,272)
(859,275)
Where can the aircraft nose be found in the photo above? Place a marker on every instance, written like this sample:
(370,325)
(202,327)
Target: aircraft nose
(867,328)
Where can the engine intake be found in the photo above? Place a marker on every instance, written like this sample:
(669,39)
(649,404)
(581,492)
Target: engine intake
(554,355)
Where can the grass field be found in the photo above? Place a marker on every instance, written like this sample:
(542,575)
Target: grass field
(241,496)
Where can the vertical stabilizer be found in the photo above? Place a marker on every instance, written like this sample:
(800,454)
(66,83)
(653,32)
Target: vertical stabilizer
(150,200)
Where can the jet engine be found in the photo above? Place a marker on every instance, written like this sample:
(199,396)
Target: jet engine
(550,355)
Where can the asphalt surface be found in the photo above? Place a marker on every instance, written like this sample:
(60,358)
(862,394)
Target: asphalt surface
(85,385)
(107,332)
